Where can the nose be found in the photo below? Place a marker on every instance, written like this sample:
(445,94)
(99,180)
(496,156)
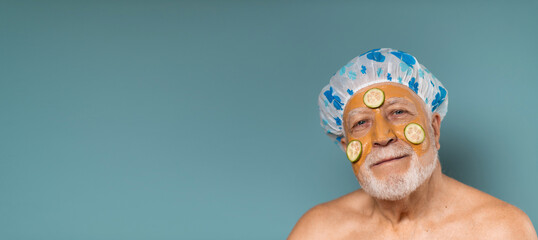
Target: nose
(383,134)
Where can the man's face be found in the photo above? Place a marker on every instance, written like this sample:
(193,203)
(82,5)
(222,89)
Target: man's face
(381,132)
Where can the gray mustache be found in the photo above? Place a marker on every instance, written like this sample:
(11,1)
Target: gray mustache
(392,151)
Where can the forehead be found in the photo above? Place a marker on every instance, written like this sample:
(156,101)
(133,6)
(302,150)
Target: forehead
(395,93)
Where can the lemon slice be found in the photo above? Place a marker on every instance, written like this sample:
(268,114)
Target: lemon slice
(354,150)
(414,133)
(374,97)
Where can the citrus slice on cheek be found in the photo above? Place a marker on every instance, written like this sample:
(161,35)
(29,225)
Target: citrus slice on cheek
(414,133)
(354,150)
(374,98)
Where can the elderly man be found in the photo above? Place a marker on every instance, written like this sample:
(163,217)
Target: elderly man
(385,110)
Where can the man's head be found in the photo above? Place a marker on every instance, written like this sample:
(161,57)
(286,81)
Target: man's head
(411,96)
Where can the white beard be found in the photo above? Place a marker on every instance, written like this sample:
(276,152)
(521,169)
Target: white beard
(396,186)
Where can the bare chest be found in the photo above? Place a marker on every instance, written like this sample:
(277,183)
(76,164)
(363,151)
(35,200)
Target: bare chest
(449,230)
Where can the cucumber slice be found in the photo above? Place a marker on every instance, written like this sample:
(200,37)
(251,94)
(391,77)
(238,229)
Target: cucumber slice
(374,98)
(354,150)
(414,133)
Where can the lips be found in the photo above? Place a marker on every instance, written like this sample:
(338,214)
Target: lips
(388,160)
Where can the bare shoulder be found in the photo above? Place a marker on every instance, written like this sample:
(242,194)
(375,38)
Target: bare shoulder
(502,220)
(331,220)
(494,218)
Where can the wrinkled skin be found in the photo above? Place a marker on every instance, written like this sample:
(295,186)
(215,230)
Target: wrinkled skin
(440,208)
(386,123)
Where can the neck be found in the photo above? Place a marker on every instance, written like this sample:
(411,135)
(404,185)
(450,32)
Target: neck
(416,204)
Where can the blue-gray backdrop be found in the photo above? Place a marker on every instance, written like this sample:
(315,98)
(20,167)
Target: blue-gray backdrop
(199,119)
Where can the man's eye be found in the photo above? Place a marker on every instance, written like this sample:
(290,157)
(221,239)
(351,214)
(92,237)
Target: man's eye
(361,122)
(399,111)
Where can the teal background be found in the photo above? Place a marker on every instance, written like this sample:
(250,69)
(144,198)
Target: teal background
(199,119)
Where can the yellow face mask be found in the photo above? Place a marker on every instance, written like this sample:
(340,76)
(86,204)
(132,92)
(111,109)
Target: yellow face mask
(380,112)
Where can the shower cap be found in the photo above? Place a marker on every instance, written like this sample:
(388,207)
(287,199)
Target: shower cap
(376,66)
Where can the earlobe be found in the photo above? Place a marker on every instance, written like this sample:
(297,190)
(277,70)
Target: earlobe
(344,143)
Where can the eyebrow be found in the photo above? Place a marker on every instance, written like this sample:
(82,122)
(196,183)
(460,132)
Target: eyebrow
(395,100)
(357,111)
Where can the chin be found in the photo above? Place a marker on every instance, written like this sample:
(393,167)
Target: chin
(396,186)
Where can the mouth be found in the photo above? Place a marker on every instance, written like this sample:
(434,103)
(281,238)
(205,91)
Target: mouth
(388,160)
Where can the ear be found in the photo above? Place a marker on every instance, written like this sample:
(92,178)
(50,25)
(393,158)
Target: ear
(436,125)
(343,142)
